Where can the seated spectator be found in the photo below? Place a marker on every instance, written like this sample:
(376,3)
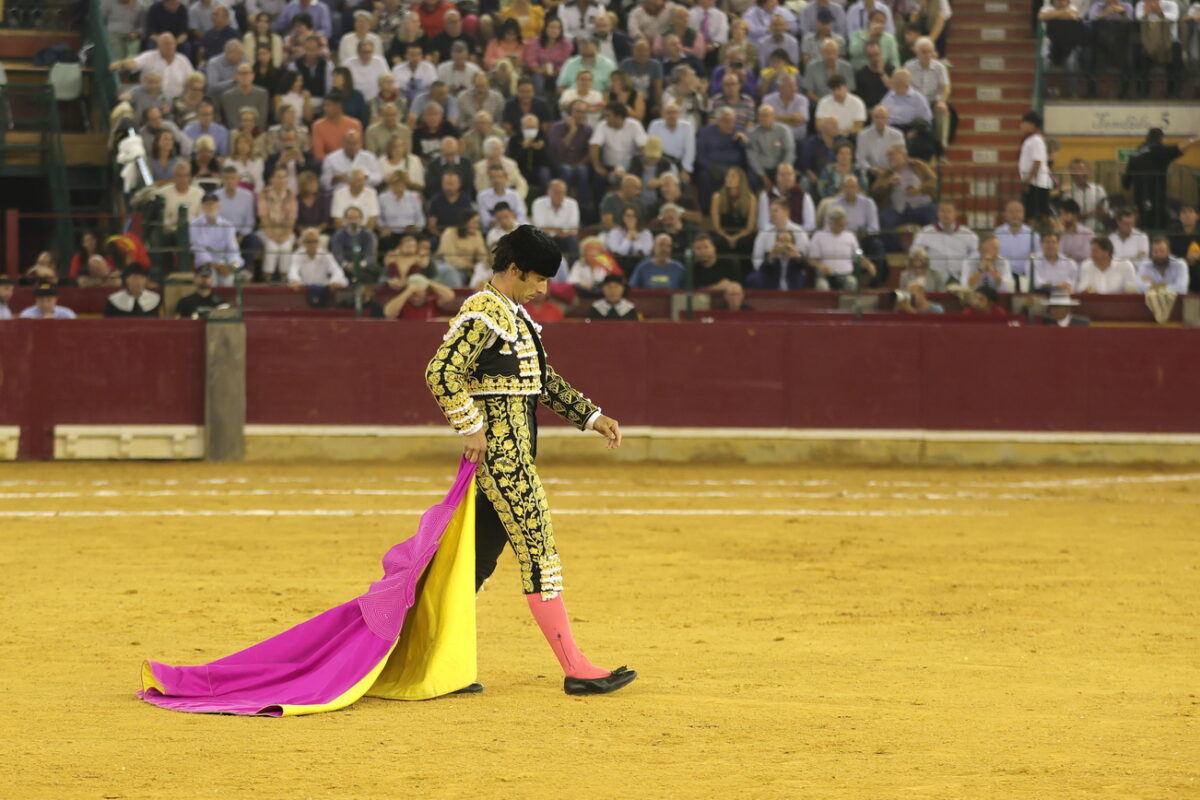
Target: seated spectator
(185,107)
(1090,196)
(719,148)
(832,254)
(215,244)
(983,300)
(631,242)
(278,211)
(740,45)
(904,193)
(1185,238)
(408,30)
(388,93)
(1074,238)
(462,246)
(314,67)
(165,59)
(523,104)
(438,94)
(493,156)
(641,80)
(780,221)
(1162,269)
(205,124)
(448,207)
(905,104)
(354,104)
(508,46)
(651,167)
(735,95)
(450,160)
(989,268)
(358,195)
(179,192)
(862,218)
(557,216)
(822,30)
(366,68)
(397,158)
(339,164)
(454,31)
(312,203)
(124,21)
(847,109)
(836,171)
(589,58)
(670,192)
(784,265)
(1102,273)
(1063,41)
(458,72)
(405,260)
(289,123)
(931,78)
(45,304)
(243,94)
(236,206)
(482,128)
(583,92)
(627,194)
(360,266)
(778,66)
(914,300)
(222,31)
(242,159)
(734,298)
(415,75)
(622,91)
(1158,29)
(88,273)
(948,244)
(498,192)
(791,107)
(260,34)
(594,265)
(800,205)
(421,299)
(504,222)
(733,214)
(400,211)
(1053,271)
(685,91)
(329,132)
(481,97)
(189,306)
(613,305)
(1059,312)
(546,55)
(818,73)
(614,143)
(1017,241)
(659,271)
(770,145)
(873,33)
(542,310)
(710,272)
(820,149)
(677,137)
(135,300)
(149,93)
(43,269)
(671,222)
(918,271)
(431,131)
(315,269)
(348,47)
(875,142)
(776,37)
(1127,241)
(162,157)
(528,150)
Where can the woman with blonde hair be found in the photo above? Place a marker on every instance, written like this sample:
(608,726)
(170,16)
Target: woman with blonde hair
(278,210)
(504,78)
(397,158)
(732,214)
(249,166)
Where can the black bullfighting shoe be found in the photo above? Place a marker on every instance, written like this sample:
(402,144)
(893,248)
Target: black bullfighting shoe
(474,688)
(617,679)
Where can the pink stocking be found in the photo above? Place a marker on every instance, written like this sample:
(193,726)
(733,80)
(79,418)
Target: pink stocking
(551,616)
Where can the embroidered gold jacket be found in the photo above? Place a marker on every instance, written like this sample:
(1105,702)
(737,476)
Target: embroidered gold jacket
(493,348)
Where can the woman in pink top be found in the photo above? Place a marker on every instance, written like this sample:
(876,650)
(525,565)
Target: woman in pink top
(507,45)
(546,54)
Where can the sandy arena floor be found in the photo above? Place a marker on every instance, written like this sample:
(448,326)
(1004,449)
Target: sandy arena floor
(801,633)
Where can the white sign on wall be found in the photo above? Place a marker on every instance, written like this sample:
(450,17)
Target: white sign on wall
(1121,119)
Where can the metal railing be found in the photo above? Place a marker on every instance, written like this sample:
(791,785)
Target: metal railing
(107,85)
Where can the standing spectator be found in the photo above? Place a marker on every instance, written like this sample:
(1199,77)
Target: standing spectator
(243,94)
(1091,196)
(1162,269)
(189,306)
(313,267)
(214,243)
(613,305)
(906,105)
(770,146)
(355,193)
(1053,271)
(1146,171)
(1074,238)
(931,78)
(339,164)
(800,204)
(873,80)
(353,246)
(1018,242)
(832,254)
(123,24)
(659,271)
(1104,274)
(733,214)
(316,11)
(179,192)
(135,300)
(45,304)
(989,268)
(165,59)
(1127,241)
(278,211)
(1034,168)
(905,193)
(876,142)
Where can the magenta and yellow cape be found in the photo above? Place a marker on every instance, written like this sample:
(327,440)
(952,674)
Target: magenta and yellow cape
(410,637)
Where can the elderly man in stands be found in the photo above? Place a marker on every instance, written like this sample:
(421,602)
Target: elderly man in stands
(1162,269)
(719,146)
(354,247)
(215,244)
(800,204)
(780,220)
(366,68)
(818,73)
(484,127)
(989,268)
(147,94)
(678,137)
(480,97)
(848,110)
(243,94)
(904,193)
(339,164)
(389,126)
(905,104)
(1052,271)
(1104,274)
(948,244)
(649,19)
(1018,242)
(778,38)
(179,192)
(221,69)
(348,47)
(931,78)
(627,195)
(833,253)
(163,59)
(659,271)
(355,193)
(558,217)
(791,106)
(313,267)
(876,142)
(770,146)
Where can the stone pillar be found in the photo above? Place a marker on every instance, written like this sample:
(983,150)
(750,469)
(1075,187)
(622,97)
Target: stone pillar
(225,387)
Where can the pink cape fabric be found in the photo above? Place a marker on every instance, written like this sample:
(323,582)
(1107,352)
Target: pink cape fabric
(321,659)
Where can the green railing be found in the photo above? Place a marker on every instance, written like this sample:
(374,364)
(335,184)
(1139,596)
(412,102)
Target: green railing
(107,85)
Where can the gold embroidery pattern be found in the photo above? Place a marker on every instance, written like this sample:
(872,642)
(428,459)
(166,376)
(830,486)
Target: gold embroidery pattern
(564,400)
(510,481)
(448,375)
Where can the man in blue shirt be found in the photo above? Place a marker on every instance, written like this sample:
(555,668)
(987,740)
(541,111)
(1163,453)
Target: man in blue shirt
(719,146)
(205,125)
(214,242)
(1163,269)
(660,271)
(1018,242)
(322,22)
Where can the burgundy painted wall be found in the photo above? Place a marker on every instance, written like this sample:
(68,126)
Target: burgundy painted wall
(728,374)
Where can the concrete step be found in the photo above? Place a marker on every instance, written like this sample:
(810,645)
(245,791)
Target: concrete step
(988,124)
(990,140)
(989,48)
(967,107)
(1021,63)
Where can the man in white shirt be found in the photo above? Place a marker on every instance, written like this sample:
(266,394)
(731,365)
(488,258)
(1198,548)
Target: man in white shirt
(1127,241)
(312,266)
(459,72)
(1034,168)
(832,253)
(1018,241)
(352,41)
(366,69)
(875,142)
(1163,269)
(848,109)
(340,163)
(989,268)
(781,221)
(931,78)
(355,194)
(1052,270)
(415,75)
(180,192)
(713,25)
(858,14)
(677,136)
(165,60)
(579,18)
(1103,274)
(649,19)
(1091,197)
(496,192)
(558,217)
(949,244)
(615,142)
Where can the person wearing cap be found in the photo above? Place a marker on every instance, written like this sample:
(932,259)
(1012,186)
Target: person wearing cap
(189,306)
(45,304)
(214,242)
(135,300)
(488,375)
(1058,311)
(614,305)
(6,293)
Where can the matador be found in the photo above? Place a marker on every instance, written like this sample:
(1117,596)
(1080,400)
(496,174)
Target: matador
(488,376)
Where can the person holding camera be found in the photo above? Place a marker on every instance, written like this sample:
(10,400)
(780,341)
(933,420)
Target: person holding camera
(913,300)
(784,268)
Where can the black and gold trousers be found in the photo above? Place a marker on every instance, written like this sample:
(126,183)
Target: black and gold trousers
(510,501)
